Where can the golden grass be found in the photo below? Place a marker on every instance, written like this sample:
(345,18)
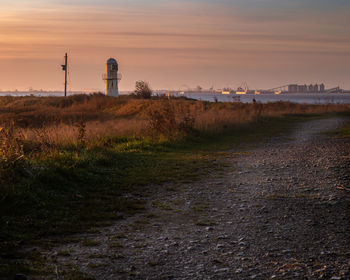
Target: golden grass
(53,121)
(66,134)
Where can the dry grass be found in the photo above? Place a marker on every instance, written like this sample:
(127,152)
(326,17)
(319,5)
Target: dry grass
(11,156)
(42,111)
(64,134)
(220,116)
(54,121)
(35,127)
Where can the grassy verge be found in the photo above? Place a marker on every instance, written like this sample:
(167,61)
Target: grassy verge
(343,132)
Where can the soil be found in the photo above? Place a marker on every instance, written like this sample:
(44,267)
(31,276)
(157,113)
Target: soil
(279,210)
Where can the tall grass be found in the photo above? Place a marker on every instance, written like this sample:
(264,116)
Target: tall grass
(11,156)
(37,128)
(44,126)
(53,121)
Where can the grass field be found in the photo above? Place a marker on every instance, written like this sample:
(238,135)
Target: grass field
(60,158)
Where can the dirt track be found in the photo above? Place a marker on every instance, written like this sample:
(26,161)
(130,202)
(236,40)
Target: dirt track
(277,212)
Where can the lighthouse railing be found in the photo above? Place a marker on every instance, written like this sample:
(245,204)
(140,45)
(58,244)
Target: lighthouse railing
(112,76)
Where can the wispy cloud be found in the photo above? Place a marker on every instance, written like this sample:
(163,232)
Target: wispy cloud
(162,34)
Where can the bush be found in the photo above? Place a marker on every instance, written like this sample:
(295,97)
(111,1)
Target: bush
(162,120)
(143,90)
(166,118)
(11,153)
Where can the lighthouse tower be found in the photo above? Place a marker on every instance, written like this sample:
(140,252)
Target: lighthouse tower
(112,78)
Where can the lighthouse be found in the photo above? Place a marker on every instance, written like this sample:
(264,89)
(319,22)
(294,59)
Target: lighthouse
(112,77)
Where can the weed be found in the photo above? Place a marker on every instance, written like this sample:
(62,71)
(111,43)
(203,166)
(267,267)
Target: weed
(34,263)
(117,257)
(171,119)
(153,263)
(11,158)
(82,133)
(205,222)
(142,222)
(96,265)
(97,256)
(93,230)
(343,132)
(200,207)
(141,245)
(64,253)
(115,244)
(162,120)
(76,274)
(90,242)
(162,205)
(151,215)
(120,236)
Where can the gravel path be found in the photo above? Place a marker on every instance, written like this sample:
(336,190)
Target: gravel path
(279,211)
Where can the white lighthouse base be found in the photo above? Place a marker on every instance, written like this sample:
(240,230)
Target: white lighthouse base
(112,88)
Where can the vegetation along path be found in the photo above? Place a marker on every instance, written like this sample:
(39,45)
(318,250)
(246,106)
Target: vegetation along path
(279,211)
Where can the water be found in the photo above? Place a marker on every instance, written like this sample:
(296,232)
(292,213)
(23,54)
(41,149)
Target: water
(309,98)
(39,93)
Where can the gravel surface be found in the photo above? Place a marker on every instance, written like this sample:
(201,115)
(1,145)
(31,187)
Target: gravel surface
(280,210)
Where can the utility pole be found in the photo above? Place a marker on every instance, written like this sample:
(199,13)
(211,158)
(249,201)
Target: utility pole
(65,69)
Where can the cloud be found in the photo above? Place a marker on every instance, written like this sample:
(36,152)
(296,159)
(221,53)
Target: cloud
(167,35)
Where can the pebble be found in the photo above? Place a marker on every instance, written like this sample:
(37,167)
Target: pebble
(20,277)
(221,270)
(223,237)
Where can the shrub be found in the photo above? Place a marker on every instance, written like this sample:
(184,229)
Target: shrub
(162,119)
(143,90)
(11,152)
(167,118)
(81,133)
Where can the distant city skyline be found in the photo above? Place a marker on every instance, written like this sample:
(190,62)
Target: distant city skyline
(172,44)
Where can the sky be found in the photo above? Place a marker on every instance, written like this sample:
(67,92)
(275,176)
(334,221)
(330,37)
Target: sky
(174,44)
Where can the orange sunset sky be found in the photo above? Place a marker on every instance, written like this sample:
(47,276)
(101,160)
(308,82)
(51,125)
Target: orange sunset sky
(265,43)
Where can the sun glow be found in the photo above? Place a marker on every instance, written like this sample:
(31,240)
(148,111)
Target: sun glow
(167,44)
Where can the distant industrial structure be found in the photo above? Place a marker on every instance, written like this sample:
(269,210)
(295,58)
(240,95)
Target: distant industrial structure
(285,89)
(296,88)
(112,77)
(306,88)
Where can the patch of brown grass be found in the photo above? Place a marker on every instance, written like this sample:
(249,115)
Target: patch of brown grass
(53,121)
(11,153)
(37,112)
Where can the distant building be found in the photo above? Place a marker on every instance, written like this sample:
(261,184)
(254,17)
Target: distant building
(293,88)
(302,88)
(322,88)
